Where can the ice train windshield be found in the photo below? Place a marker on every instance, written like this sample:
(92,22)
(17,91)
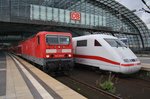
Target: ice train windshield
(124,40)
(115,42)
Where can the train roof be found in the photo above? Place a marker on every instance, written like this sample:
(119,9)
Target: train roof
(45,32)
(99,36)
(49,32)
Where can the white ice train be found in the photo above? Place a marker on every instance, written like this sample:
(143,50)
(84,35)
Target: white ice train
(105,52)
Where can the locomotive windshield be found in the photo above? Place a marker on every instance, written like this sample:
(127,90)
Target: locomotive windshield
(54,39)
(64,40)
(115,43)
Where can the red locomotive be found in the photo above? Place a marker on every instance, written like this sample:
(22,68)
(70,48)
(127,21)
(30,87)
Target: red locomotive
(50,50)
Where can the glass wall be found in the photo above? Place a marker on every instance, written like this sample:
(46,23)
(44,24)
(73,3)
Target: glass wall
(60,15)
(93,14)
(4,10)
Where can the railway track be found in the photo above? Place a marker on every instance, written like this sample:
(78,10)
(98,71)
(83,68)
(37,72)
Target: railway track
(146,80)
(95,88)
(71,79)
(127,87)
(142,82)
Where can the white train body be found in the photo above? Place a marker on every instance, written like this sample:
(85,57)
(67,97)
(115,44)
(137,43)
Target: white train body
(105,52)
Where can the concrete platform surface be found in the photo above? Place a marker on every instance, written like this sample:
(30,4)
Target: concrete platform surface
(145,67)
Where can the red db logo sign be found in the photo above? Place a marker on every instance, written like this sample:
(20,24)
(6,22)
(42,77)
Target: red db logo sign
(75,16)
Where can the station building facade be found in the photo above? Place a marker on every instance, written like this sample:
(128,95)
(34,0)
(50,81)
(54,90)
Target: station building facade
(80,17)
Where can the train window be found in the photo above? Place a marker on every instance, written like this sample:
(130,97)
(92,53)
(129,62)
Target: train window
(38,39)
(55,39)
(64,39)
(121,43)
(96,43)
(52,39)
(124,40)
(115,43)
(82,43)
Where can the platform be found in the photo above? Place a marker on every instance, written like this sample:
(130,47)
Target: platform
(145,62)
(24,81)
(145,66)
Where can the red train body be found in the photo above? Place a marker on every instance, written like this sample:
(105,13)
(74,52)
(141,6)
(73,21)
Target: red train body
(51,50)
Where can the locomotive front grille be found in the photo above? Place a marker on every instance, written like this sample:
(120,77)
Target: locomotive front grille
(60,64)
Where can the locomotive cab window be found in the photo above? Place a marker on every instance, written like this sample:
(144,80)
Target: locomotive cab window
(51,39)
(54,39)
(96,43)
(82,43)
(64,39)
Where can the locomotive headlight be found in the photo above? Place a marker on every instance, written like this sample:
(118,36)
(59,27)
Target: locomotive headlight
(69,55)
(47,56)
(126,60)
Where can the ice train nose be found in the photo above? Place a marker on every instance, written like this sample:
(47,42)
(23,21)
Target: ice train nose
(131,69)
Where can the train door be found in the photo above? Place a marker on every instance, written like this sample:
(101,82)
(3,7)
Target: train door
(37,48)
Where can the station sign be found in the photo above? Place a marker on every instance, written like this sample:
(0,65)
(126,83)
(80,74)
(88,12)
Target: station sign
(75,16)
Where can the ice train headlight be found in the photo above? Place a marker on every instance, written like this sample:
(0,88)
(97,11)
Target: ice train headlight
(126,60)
